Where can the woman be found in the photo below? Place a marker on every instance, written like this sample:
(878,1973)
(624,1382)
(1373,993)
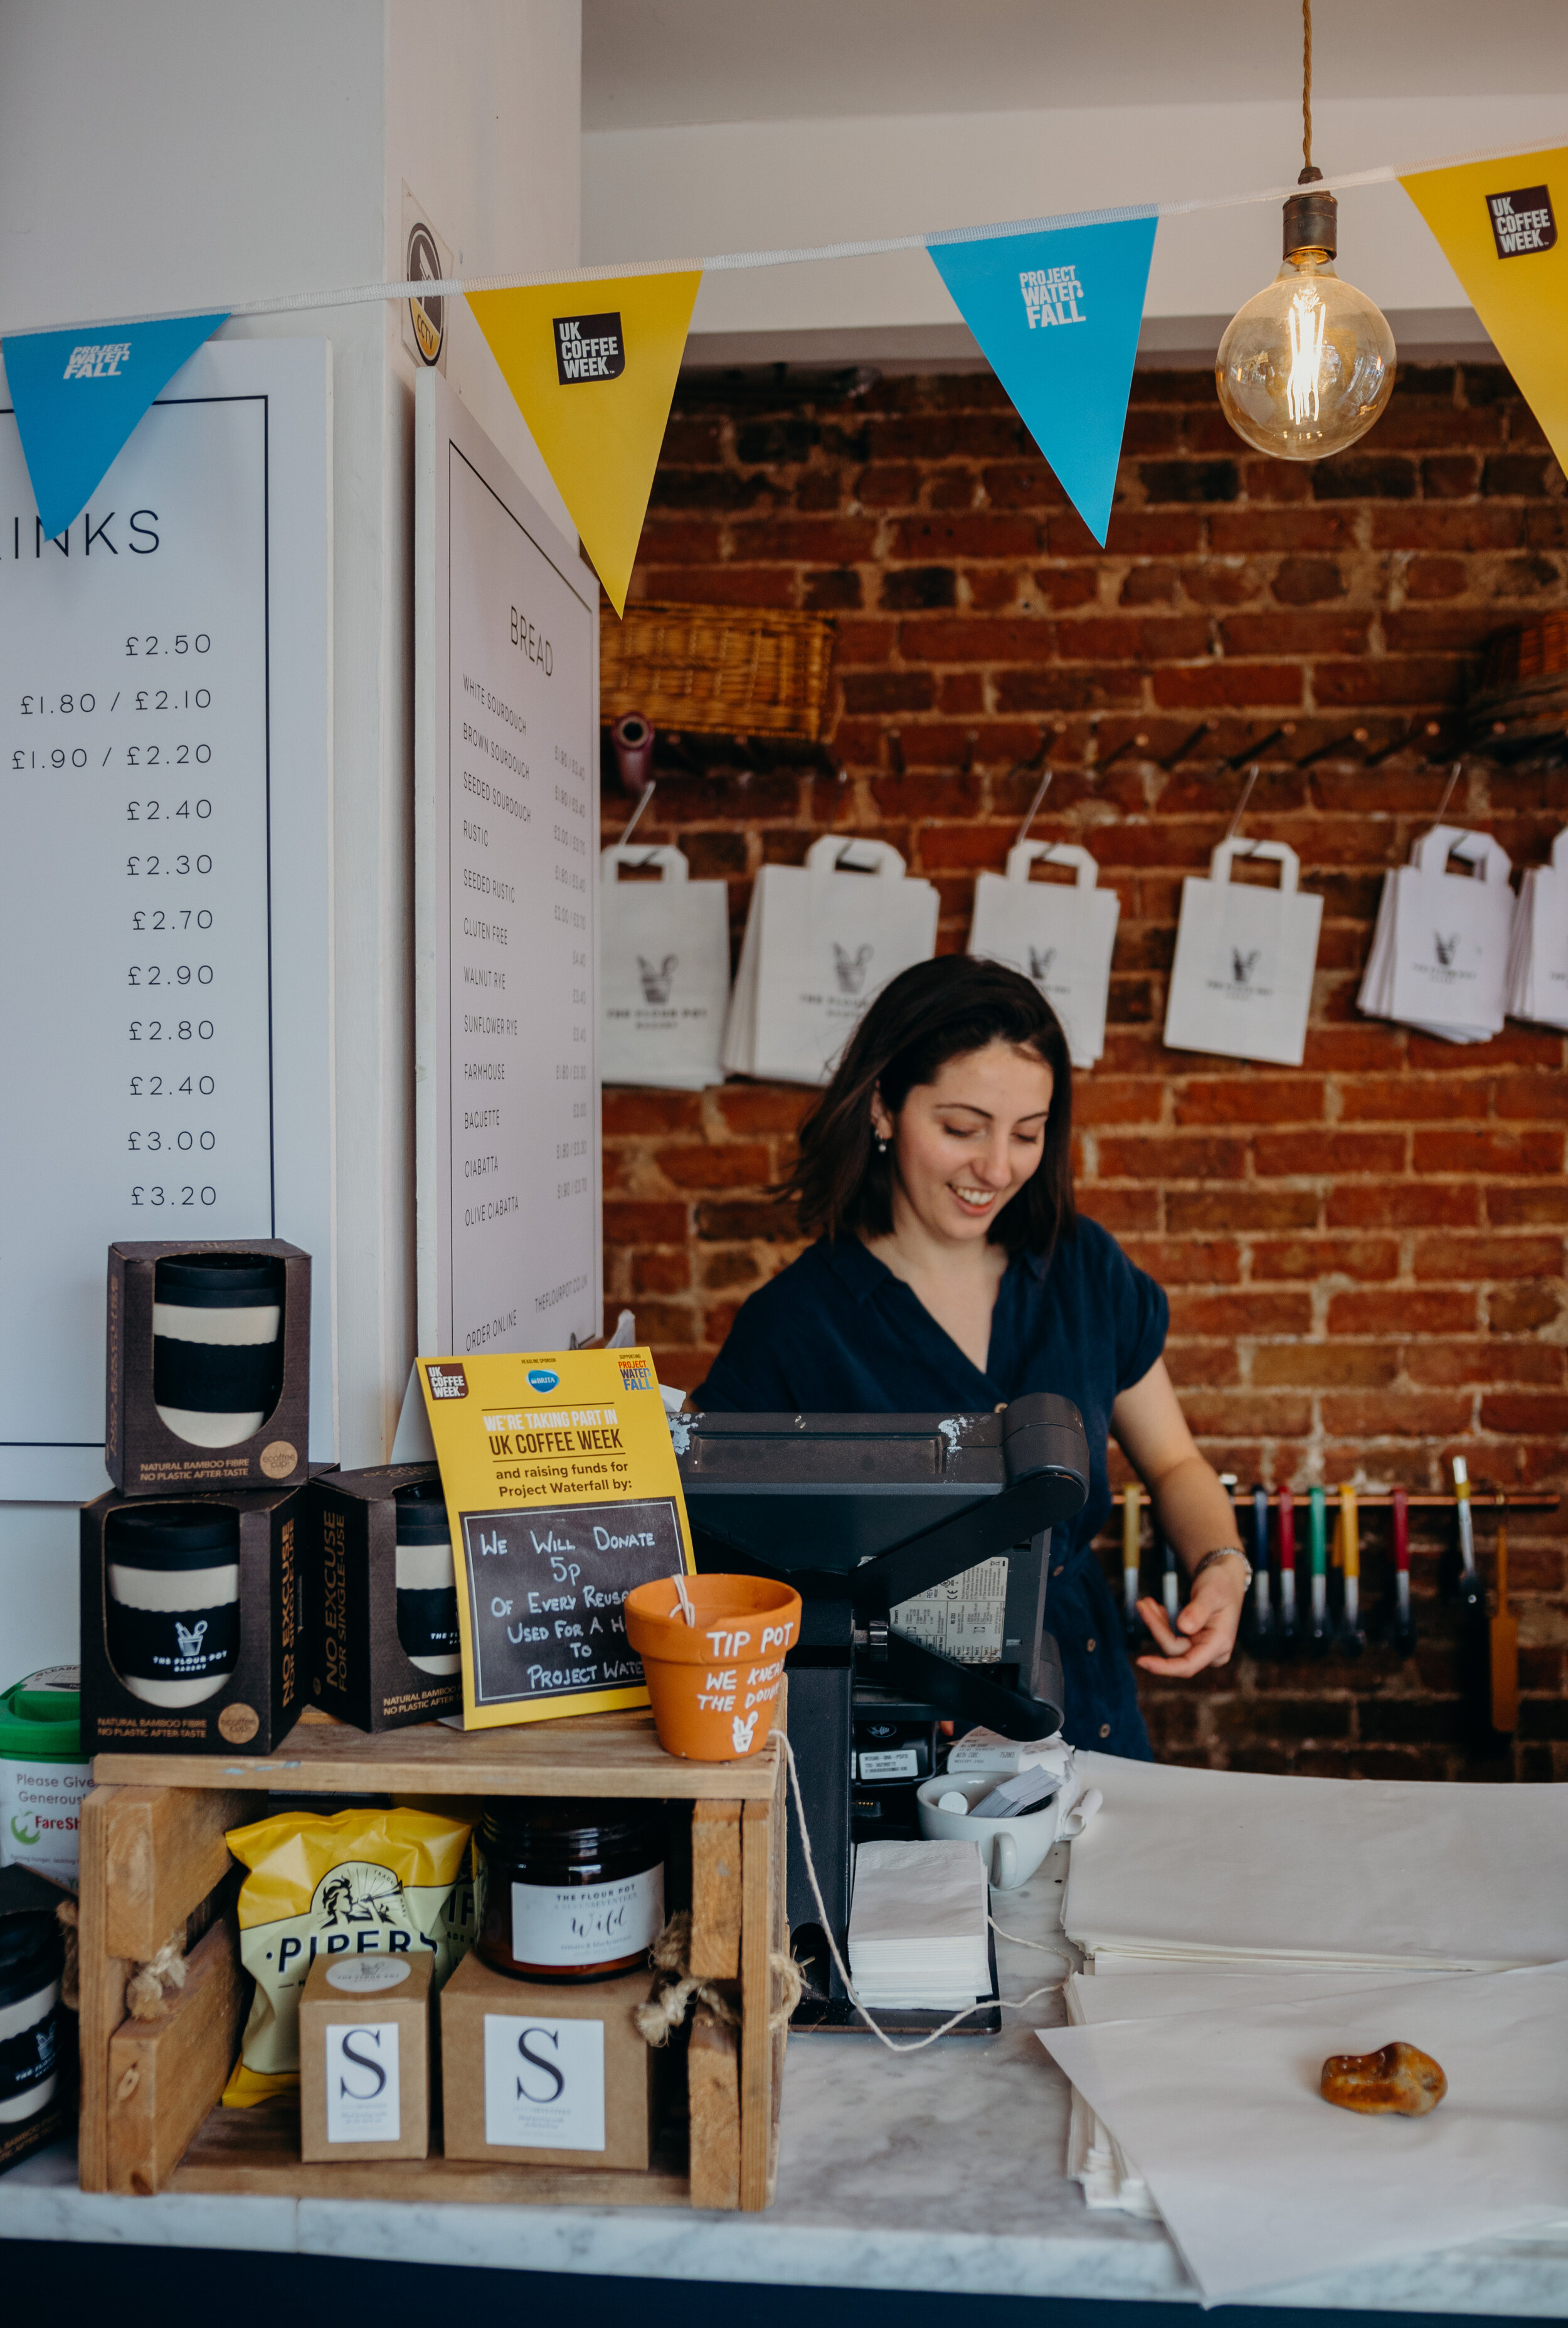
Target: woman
(950,1270)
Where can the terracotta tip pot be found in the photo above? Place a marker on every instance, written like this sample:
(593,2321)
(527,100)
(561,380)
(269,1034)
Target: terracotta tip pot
(715,1684)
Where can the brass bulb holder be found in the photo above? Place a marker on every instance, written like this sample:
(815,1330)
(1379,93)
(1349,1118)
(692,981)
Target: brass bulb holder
(1312,224)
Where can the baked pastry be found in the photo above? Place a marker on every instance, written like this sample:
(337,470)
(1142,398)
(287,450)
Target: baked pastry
(1400,2080)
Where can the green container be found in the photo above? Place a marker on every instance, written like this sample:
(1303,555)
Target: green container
(42,1774)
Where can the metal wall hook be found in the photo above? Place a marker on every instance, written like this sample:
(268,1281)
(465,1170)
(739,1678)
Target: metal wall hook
(1128,744)
(1334,750)
(1205,728)
(1255,751)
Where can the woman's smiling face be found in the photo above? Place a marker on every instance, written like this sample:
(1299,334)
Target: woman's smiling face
(965,1143)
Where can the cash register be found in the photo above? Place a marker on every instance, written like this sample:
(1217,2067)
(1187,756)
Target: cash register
(863,1514)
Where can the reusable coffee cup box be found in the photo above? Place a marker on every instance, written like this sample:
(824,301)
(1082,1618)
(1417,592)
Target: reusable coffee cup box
(37,2034)
(545,2076)
(208,1365)
(365,2057)
(382,1597)
(191,1622)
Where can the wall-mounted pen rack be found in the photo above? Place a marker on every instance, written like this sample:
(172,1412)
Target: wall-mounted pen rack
(1482,1499)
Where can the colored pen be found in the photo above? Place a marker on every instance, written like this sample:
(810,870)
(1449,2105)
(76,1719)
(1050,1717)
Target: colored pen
(1263,1602)
(1172,1582)
(1475,1661)
(1132,1623)
(1318,1539)
(1404,1621)
(1350,1640)
(1287,1568)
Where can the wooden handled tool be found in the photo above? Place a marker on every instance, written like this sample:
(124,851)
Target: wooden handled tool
(1132,1525)
(1505,1639)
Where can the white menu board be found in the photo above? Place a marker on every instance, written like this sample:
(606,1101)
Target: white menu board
(506,895)
(164,899)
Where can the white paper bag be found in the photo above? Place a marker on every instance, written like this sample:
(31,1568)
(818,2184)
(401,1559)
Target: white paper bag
(1440,951)
(664,973)
(1242,980)
(1538,955)
(1061,938)
(821,941)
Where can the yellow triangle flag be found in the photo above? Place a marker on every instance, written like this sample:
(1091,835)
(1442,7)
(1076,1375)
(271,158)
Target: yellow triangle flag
(1502,227)
(593,367)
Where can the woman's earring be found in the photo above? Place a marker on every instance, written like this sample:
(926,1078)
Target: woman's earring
(881,1145)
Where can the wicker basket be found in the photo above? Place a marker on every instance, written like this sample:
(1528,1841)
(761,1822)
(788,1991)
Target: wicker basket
(1520,710)
(718,670)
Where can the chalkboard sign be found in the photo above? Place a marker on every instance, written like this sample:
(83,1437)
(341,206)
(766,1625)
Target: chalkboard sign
(562,1493)
(545,1590)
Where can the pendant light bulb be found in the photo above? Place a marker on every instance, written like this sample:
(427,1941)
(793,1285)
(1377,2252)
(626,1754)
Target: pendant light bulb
(1306,367)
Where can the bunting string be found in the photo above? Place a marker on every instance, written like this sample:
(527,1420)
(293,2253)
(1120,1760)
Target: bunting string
(742,261)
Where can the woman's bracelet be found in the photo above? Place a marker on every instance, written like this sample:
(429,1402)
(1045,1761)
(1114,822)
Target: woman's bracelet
(1224,1552)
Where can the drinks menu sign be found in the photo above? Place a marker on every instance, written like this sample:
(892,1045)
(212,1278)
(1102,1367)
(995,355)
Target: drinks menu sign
(562,1492)
(165,914)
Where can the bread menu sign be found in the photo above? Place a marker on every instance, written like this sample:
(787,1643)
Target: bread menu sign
(562,1491)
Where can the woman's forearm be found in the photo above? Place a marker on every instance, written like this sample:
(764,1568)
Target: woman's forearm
(1195,1514)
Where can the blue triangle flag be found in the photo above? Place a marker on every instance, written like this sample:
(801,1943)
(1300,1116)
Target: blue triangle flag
(78,395)
(1056,314)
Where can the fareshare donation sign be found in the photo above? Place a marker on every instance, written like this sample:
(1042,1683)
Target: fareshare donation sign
(506,895)
(562,1492)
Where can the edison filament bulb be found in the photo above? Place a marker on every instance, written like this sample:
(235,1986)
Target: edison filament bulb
(1306,367)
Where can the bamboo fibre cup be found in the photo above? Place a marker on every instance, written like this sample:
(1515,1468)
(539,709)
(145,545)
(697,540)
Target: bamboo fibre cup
(713,1683)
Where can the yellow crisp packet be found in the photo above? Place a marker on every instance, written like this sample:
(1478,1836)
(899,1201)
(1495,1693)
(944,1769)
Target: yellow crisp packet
(365,1882)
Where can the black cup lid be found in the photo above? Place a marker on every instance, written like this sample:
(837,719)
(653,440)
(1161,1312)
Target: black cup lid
(422,1514)
(218,1280)
(172,1536)
(33,1935)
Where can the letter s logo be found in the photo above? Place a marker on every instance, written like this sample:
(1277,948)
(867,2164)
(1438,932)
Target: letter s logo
(548,2068)
(362,2061)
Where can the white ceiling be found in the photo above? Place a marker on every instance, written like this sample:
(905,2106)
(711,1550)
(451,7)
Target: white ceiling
(662,63)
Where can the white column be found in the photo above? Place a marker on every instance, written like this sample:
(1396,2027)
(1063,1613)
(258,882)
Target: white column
(162,153)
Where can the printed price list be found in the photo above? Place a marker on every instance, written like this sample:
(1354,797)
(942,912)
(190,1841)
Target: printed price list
(523,1008)
(134,929)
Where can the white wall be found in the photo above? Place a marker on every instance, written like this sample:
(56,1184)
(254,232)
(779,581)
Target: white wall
(689,191)
(161,153)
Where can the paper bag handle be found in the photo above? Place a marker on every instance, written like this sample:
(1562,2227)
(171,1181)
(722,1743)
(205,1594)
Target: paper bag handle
(839,853)
(1081,1812)
(1276,851)
(672,863)
(1432,851)
(1025,853)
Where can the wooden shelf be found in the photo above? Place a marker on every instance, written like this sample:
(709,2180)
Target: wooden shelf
(587,1754)
(255,2153)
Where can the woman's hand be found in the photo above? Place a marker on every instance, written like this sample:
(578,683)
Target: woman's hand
(1196,1516)
(1205,1629)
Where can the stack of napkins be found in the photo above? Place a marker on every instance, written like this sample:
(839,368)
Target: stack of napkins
(1261,2183)
(917,1925)
(1223,1867)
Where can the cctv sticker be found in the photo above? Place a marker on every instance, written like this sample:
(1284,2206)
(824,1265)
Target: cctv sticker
(544,2083)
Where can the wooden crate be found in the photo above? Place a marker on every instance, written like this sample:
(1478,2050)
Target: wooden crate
(154,1863)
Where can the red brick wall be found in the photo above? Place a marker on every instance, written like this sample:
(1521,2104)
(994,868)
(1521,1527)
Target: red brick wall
(1365,1256)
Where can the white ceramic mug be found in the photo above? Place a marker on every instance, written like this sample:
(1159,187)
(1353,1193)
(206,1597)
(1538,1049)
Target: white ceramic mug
(1012,1848)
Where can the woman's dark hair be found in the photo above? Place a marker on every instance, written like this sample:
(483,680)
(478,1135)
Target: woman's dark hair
(938,1010)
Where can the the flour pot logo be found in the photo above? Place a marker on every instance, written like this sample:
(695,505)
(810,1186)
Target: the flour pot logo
(656,976)
(589,347)
(1241,966)
(1052,294)
(1522,221)
(850,968)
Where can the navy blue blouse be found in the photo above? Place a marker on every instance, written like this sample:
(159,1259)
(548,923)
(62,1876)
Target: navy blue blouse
(837,1333)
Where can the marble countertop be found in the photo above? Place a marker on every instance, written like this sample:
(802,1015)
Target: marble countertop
(939,2171)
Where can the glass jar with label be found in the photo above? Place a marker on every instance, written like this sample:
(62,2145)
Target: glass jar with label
(570,1891)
